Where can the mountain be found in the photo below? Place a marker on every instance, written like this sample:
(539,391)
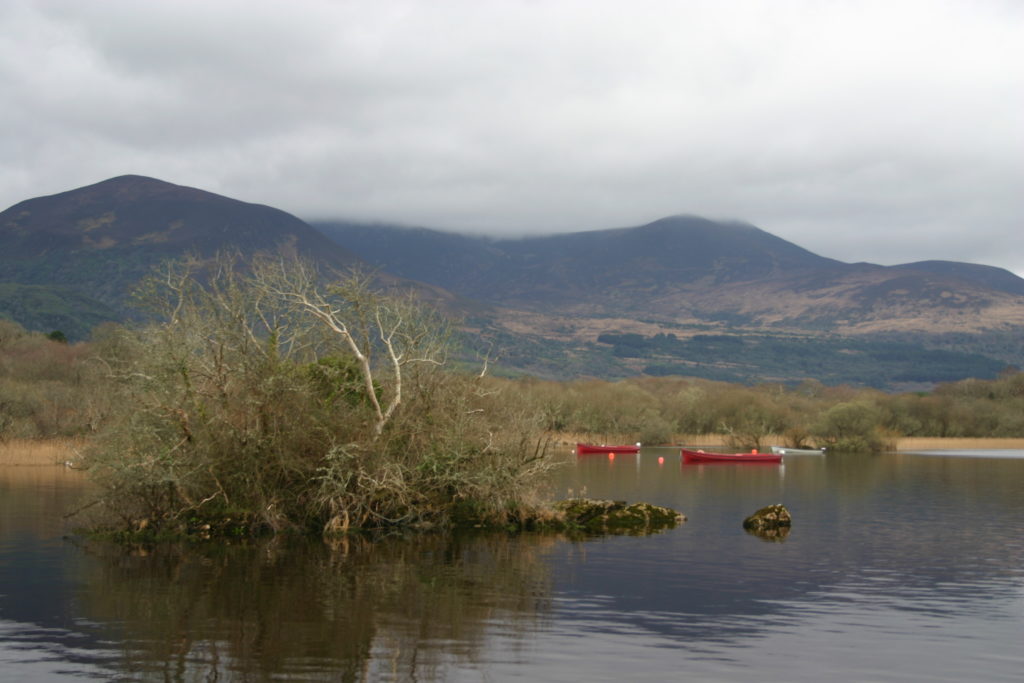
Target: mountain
(577,267)
(631,291)
(682,295)
(101,239)
(987,276)
(688,270)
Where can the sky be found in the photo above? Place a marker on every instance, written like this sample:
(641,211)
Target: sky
(884,131)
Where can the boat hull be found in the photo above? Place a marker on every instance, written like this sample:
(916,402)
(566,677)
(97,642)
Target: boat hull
(585,449)
(706,456)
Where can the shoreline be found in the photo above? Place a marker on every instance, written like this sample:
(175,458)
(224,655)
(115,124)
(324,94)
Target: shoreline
(67,452)
(902,443)
(41,452)
(928,443)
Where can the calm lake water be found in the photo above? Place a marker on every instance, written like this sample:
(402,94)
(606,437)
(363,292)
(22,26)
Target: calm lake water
(898,568)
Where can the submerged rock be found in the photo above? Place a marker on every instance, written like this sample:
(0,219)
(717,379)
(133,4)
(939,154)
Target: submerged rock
(616,516)
(769,521)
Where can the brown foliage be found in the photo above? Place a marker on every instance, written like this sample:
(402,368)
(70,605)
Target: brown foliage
(245,405)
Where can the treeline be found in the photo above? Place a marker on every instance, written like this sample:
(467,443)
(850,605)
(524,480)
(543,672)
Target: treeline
(49,389)
(659,410)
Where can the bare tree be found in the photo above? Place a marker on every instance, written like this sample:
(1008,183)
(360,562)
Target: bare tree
(367,324)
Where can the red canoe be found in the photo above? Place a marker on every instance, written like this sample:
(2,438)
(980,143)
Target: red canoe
(705,456)
(586,448)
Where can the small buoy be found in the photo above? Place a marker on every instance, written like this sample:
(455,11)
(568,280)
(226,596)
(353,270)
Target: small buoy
(611,456)
(661,460)
(754,451)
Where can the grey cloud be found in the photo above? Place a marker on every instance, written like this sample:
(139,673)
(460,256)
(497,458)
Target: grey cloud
(865,131)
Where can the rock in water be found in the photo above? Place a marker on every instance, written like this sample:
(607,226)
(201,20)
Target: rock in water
(770,518)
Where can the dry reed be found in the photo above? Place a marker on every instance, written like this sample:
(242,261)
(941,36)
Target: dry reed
(40,451)
(925,443)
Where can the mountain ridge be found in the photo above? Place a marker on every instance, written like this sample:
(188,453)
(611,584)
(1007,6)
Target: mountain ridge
(689,268)
(547,300)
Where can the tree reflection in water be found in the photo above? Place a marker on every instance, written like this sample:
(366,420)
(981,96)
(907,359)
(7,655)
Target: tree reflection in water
(351,611)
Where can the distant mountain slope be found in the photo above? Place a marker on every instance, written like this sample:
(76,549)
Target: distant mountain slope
(991,277)
(449,260)
(38,307)
(680,249)
(685,269)
(102,238)
(655,299)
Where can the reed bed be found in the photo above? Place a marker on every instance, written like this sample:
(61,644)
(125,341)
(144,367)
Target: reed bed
(40,452)
(924,443)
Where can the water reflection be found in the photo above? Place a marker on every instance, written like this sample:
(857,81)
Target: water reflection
(398,607)
(42,636)
(404,608)
(918,559)
(937,537)
(772,535)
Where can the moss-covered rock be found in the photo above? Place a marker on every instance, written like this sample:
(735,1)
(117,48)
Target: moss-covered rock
(769,518)
(616,516)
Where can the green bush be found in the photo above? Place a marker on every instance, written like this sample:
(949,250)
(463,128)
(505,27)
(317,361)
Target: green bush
(852,426)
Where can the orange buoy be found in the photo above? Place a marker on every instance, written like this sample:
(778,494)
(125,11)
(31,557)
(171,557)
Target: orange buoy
(661,460)
(611,456)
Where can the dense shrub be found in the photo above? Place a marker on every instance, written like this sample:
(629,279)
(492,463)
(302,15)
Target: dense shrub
(247,410)
(852,426)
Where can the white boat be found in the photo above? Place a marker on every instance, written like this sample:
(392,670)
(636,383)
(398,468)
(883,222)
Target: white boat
(783,450)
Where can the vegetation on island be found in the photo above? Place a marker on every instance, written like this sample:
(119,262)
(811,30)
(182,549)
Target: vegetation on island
(273,399)
(267,398)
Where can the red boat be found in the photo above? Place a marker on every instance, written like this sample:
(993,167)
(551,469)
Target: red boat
(586,448)
(706,456)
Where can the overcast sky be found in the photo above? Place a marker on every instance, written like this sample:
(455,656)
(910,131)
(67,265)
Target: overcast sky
(887,131)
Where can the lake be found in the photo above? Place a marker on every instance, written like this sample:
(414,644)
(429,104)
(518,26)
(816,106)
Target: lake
(898,567)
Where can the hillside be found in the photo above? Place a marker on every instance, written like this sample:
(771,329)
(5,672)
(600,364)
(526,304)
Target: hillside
(687,277)
(43,308)
(687,270)
(682,295)
(101,239)
(998,279)
(583,269)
